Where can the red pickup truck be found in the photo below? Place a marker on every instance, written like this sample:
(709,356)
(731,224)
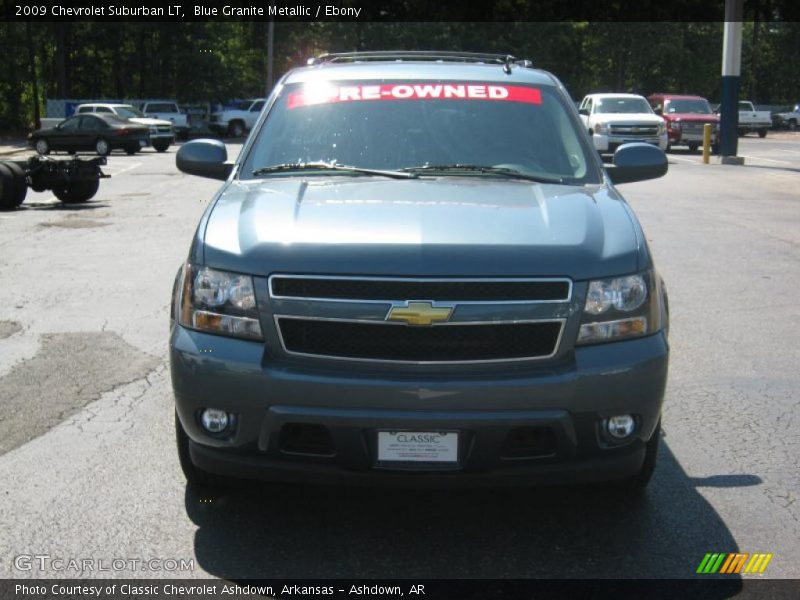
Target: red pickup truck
(685,117)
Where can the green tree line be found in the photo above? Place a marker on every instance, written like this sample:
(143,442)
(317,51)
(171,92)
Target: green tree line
(218,61)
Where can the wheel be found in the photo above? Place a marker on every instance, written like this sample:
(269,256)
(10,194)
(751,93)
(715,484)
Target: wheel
(236,129)
(130,151)
(8,189)
(194,475)
(42,146)
(77,191)
(19,181)
(762,133)
(639,482)
(742,132)
(102,147)
(792,124)
(183,135)
(693,147)
(160,146)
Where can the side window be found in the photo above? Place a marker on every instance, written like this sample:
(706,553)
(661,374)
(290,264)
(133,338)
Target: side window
(90,123)
(71,124)
(103,109)
(85,109)
(257,106)
(588,106)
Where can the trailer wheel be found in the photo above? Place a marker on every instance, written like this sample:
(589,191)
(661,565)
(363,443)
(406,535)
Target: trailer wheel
(19,181)
(77,191)
(102,147)
(42,146)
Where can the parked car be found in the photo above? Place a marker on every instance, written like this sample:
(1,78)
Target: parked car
(168,111)
(616,119)
(161,133)
(685,116)
(751,119)
(419,271)
(98,132)
(789,119)
(237,119)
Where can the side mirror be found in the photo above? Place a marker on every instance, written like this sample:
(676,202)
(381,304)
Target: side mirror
(584,112)
(637,162)
(205,158)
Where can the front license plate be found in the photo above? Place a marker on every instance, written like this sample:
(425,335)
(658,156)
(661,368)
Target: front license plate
(418,446)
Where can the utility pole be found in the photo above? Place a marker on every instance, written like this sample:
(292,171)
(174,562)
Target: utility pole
(270,43)
(731,72)
(34,82)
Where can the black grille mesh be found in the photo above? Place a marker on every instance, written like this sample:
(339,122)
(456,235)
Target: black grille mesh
(372,289)
(446,343)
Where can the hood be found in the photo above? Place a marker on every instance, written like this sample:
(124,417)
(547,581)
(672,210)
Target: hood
(148,121)
(422,227)
(630,118)
(692,117)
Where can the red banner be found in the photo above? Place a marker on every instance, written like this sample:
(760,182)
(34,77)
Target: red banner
(414,91)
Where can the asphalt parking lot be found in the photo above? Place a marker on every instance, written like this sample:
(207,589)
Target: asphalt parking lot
(87,461)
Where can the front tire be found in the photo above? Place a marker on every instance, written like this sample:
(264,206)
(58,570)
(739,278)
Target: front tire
(236,129)
(762,133)
(194,475)
(160,146)
(792,125)
(19,182)
(77,192)
(42,146)
(102,147)
(131,151)
(693,147)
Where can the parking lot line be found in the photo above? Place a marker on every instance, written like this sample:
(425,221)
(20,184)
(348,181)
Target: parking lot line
(780,162)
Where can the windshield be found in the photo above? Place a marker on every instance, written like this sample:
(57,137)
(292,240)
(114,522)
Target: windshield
(622,105)
(128,112)
(394,126)
(700,107)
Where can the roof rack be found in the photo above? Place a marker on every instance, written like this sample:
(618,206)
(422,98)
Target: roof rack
(507,60)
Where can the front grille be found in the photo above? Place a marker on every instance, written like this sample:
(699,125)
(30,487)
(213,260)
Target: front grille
(443,291)
(634,130)
(165,128)
(439,343)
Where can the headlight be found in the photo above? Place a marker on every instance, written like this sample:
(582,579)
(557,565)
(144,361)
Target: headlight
(662,128)
(621,307)
(218,302)
(601,128)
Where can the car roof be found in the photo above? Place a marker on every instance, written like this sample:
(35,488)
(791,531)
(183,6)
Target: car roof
(109,117)
(418,70)
(613,95)
(105,104)
(677,96)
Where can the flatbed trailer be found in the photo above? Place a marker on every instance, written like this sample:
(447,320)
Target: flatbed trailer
(72,180)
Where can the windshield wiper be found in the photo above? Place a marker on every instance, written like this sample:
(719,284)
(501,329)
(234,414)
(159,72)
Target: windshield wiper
(502,171)
(332,166)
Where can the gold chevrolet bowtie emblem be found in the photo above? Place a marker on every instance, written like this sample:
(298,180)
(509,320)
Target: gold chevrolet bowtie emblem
(420,313)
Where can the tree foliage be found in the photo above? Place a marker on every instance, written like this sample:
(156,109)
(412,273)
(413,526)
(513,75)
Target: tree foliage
(218,61)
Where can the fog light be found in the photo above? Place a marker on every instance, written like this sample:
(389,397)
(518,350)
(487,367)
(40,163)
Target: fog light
(214,420)
(620,426)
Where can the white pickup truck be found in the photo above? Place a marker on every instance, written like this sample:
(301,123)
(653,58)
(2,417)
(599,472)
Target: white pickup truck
(790,119)
(751,119)
(237,119)
(169,111)
(616,119)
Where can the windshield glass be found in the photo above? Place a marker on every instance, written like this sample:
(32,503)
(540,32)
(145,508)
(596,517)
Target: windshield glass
(128,112)
(689,106)
(622,105)
(393,126)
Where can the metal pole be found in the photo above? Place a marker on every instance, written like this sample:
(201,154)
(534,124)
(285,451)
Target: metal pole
(731,71)
(270,41)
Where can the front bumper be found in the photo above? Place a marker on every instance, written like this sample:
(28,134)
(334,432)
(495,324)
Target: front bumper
(609,143)
(569,400)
